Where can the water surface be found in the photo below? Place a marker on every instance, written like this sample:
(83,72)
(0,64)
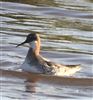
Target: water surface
(66,31)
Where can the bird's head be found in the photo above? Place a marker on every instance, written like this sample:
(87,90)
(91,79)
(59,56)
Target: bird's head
(31,39)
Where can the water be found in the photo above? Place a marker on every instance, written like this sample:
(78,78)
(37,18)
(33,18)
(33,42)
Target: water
(66,31)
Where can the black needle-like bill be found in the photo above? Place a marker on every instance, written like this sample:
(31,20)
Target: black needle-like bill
(21,44)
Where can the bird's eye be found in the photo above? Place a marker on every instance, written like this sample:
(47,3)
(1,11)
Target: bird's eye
(30,37)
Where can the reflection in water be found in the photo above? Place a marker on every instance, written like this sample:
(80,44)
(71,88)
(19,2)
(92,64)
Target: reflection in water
(21,89)
(30,87)
(65,28)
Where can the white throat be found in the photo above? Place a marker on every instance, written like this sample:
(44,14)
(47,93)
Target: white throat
(33,44)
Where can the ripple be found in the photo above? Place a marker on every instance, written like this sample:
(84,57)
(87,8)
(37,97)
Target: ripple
(65,28)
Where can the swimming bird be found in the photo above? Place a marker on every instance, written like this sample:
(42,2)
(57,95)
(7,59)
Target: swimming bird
(35,62)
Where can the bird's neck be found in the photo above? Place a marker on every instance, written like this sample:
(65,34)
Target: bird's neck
(35,45)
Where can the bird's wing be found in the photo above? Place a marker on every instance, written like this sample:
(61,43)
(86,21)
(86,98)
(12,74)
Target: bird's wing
(47,65)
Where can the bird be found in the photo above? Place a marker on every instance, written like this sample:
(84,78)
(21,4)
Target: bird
(36,63)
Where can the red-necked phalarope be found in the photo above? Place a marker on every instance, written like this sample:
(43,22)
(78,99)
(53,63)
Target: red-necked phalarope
(34,62)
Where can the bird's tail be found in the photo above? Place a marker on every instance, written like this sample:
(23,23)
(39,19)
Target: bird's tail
(68,70)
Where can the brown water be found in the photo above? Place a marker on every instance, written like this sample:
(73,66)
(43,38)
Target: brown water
(66,31)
